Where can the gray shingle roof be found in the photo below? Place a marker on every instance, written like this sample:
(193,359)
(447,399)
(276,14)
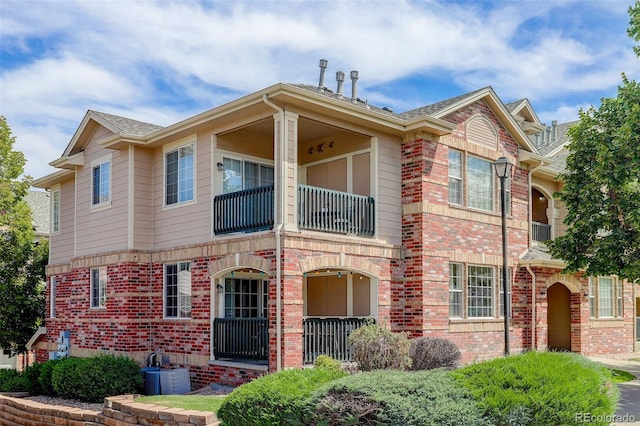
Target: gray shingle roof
(38,201)
(547,144)
(438,106)
(129,126)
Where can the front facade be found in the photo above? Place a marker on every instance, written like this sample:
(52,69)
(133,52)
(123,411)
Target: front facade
(255,236)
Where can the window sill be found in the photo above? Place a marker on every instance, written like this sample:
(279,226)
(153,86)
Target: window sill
(606,322)
(239,365)
(474,325)
(178,205)
(100,207)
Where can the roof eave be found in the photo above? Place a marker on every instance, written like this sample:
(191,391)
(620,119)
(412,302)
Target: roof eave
(50,180)
(69,162)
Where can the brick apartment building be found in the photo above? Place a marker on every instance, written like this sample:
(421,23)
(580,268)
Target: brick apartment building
(254,236)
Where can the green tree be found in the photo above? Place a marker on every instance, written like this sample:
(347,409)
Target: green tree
(22,260)
(634,25)
(601,189)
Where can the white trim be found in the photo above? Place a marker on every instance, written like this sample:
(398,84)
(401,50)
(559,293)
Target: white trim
(131,199)
(55,189)
(53,283)
(175,146)
(164,290)
(215,176)
(98,162)
(374,184)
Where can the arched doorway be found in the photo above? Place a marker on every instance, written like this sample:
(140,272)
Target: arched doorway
(559,317)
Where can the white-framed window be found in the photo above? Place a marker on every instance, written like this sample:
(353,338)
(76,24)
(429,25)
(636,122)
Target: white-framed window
(455,177)
(605,297)
(180,169)
(242,174)
(245,297)
(99,287)
(55,211)
(472,182)
(456,291)
(473,292)
(100,182)
(177,290)
(52,297)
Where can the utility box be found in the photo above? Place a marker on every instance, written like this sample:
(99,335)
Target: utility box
(151,380)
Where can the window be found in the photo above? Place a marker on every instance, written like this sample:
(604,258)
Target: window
(177,290)
(605,297)
(101,183)
(99,287)
(455,290)
(476,298)
(501,292)
(474,179)
(455,177)
(480,291)
(55,211)
(52,297)
(179,175)
(245,298)
(240,174)
(479,184)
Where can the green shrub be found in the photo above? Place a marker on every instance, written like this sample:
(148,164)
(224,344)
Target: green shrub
(539,388)
(328,363)
(386,397)
(427,353)
(44,378)
(93,379)
(31,375)
(12,381)
(375,348)
(275,398)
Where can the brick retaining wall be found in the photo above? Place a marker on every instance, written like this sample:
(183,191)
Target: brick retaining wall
(117,411)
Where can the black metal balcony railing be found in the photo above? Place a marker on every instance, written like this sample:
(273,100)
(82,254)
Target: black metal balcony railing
(541,231)
(248,210)
(321,209)
(328,336)
(638,328)
(241,338)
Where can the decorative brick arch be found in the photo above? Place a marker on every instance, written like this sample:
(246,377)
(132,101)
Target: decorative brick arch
(357,264)
(231,262)
(569,281)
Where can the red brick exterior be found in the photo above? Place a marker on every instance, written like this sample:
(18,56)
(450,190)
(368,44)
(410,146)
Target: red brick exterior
(412,280)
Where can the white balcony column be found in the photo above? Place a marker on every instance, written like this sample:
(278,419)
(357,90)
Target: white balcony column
(286,168)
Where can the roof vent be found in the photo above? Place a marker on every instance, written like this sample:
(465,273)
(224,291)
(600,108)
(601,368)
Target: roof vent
(340,80)
(354,84)
(323,68)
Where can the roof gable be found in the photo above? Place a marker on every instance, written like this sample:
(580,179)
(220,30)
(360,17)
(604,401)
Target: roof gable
(487,94)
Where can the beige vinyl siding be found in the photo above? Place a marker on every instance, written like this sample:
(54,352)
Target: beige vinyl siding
(62,243)
(101,230)
(143,200)
(291,183)
(389,198)
(188,223)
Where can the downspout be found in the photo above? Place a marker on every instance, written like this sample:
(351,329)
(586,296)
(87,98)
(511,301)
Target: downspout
(279,227)
(533,308)
(533,276)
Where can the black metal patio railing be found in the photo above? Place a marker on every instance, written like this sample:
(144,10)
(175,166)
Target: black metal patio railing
(241,338)
(328,336)
(248,210)
(540,231)
(321,209)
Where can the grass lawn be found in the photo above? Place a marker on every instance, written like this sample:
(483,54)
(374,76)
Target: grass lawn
(187,402)
(620,376)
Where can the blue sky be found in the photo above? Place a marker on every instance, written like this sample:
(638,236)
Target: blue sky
(163,61)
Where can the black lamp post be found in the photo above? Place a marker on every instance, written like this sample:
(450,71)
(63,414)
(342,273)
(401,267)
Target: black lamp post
(503,171)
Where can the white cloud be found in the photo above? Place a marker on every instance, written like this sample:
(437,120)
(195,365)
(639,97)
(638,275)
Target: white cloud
(162,61)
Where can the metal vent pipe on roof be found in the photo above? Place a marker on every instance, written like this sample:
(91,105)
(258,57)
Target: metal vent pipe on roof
(340,80)
(323,68)
(354,83)
(554,130)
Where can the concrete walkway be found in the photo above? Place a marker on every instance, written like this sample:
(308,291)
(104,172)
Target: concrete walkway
(628,410)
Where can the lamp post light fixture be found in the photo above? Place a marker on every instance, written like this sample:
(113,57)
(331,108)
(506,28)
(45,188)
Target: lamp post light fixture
(503,171)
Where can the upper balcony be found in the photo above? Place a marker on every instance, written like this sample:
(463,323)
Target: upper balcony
(326,174)
(319,209)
